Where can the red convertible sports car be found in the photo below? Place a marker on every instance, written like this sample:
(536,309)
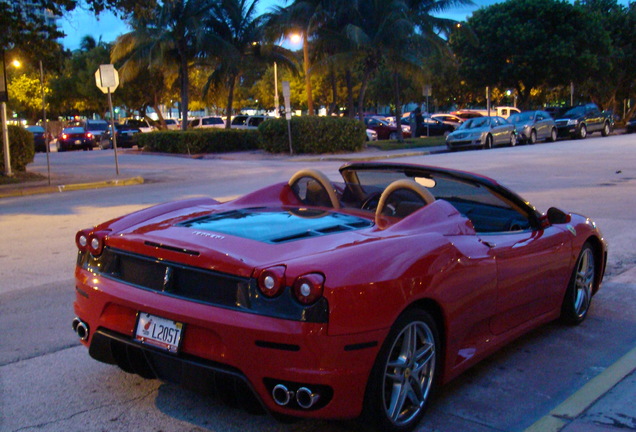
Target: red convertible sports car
(332,300)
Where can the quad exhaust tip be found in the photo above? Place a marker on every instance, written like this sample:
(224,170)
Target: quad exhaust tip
(81,328)
(282,396)
(305,398)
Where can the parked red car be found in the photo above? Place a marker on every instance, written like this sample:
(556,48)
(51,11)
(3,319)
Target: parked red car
(332,300)
(384,129)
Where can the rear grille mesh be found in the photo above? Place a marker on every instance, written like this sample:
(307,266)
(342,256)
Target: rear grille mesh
(171,278)
(199,285)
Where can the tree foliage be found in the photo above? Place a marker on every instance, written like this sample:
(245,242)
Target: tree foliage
(527,44)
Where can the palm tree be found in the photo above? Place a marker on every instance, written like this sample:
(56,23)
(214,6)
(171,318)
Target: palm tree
(170,38)
(234,45)
(306,17)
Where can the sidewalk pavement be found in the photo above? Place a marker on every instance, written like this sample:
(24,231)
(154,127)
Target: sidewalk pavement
(605,403)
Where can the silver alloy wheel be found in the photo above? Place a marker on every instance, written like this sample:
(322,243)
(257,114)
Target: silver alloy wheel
(533,136)
(584,282)
(606,129)
(513,139)
(553,135)
(582,132)
(409,373)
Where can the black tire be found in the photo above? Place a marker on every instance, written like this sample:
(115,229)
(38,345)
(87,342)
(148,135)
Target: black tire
(533,137)
(488,143)
(553,135)
(405,374)
(578,295)
(582,132)
(606,129)
(393,136)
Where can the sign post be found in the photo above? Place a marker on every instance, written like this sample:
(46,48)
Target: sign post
(427,91)
(287,97)
(107,79)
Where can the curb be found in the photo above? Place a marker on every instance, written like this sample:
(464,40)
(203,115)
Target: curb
(72,187)
(596,388)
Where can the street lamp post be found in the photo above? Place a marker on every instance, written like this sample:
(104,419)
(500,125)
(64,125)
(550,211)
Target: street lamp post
(46,134)
(4,98)
(276,101)
(310,100)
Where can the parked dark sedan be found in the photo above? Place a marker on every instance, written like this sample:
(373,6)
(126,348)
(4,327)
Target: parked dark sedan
(533,126)
(630,127)
(75,138)
(582,120)
(434,127)
(39,140)
(125,135)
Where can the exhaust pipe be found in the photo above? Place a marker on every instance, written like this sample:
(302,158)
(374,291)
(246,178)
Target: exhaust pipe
(76,322)
(81,328)
(282,395)
(306,398)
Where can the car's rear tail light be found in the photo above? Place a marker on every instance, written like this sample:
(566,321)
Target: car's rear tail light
(96,242)
(271,281)
(64,136)
(308,288)
(81,240)
(89,135)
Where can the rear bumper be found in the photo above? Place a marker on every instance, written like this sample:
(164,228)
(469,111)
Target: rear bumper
(229,349)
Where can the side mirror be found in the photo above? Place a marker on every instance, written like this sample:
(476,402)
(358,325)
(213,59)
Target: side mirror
(556,216)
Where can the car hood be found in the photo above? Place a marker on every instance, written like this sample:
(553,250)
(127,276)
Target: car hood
(237,240)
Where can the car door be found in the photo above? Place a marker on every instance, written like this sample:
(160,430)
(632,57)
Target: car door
(541,126)
(499,130)
(595,120)
(532,266)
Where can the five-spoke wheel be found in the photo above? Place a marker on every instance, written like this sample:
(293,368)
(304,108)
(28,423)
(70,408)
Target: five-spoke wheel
(580,289)
(405,372)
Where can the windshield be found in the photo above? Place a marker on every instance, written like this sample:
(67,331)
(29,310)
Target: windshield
(522,117)
(575,112)
(476,122)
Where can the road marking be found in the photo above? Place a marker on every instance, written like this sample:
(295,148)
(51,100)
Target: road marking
(576,404)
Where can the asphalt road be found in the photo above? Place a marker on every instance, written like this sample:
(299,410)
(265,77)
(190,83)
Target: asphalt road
(49,383)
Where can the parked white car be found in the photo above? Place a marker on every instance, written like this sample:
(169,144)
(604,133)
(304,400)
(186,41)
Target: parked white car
(248,122)
(207,122)
(142,124)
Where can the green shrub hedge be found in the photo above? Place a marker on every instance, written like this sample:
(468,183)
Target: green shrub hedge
(197,141)
(313,134)
(21,148)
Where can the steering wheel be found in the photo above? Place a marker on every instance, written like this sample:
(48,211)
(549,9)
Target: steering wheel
(371,203)
(320,179)
(385,203)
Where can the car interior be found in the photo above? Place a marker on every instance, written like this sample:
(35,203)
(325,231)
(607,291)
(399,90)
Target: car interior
(398,193)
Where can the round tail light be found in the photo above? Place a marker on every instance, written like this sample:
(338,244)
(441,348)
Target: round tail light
(81,240)
(271,281)
(308,288)
(96,243)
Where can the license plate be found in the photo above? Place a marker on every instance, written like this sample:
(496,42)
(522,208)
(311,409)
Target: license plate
(78,142)
(159,332)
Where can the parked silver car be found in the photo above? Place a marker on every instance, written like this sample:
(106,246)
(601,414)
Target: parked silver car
(533,126)
(482,132)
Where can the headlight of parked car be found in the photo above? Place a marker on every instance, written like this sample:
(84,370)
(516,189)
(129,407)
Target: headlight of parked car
(573,122)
